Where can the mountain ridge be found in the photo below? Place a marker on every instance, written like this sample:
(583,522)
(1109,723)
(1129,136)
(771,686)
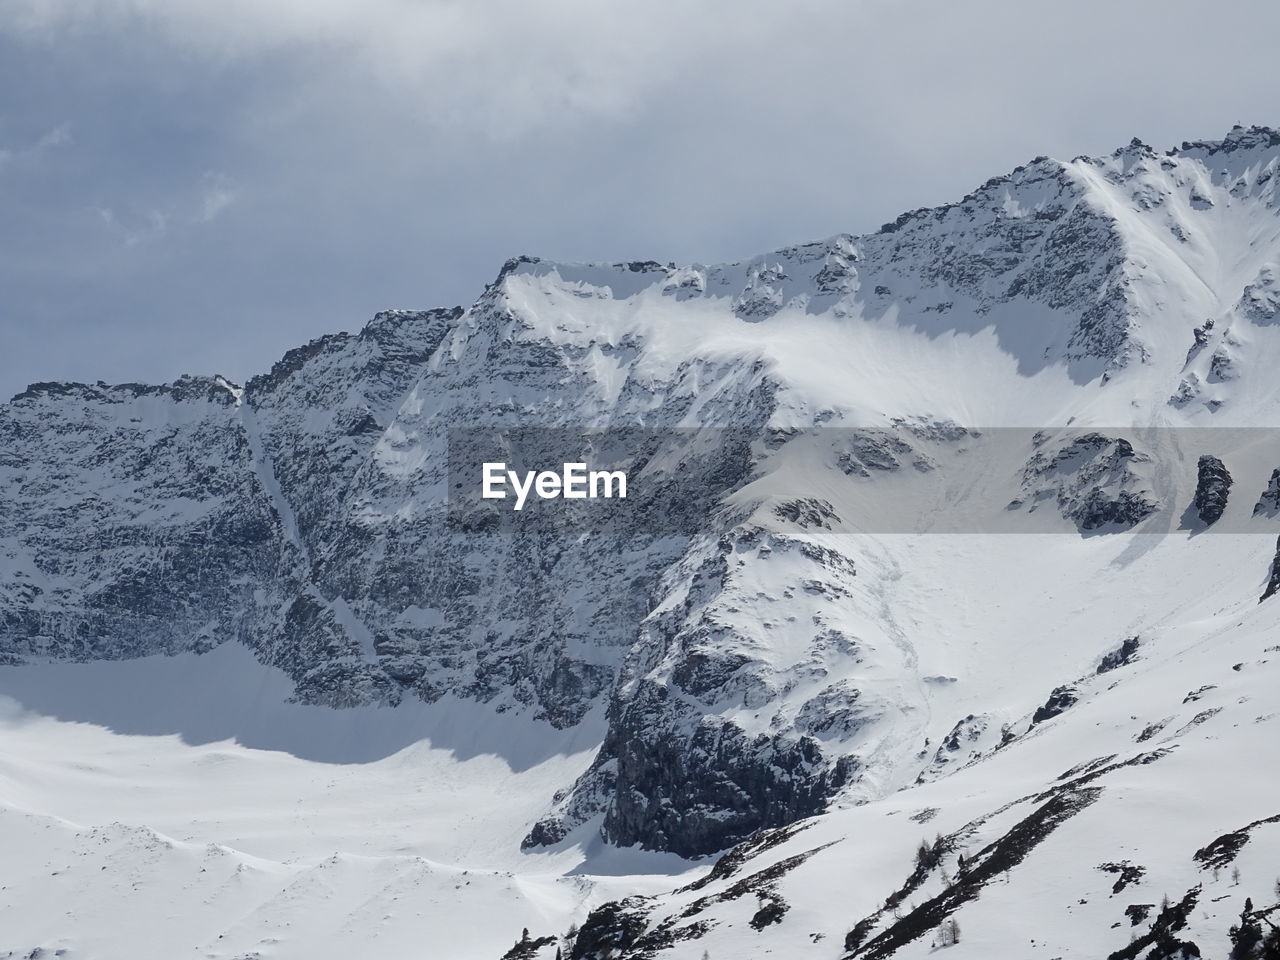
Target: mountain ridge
(303,514)
(876,712)
(1238,139)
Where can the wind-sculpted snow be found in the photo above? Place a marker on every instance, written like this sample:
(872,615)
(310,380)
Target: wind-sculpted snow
(756,655)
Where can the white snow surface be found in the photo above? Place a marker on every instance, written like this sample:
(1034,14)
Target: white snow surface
(177,806)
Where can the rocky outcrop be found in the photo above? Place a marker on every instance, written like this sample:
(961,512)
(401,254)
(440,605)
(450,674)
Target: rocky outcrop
(1095,481)
(1273,580)
(967,740)
(673,775)
(1121,656)
(1060,700)
(135,520)
(717,786)
(1268,504)
(1260,300)
(1213,486)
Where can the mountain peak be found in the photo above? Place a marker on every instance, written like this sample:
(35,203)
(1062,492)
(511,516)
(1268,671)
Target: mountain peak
(186,387)
(1238,138)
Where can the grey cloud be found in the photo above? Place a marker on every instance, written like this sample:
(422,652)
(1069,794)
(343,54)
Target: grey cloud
(30,153)
(312,162)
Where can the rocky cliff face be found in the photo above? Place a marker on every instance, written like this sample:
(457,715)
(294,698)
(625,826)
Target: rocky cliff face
(136,520)
(1213,487)
(739,671)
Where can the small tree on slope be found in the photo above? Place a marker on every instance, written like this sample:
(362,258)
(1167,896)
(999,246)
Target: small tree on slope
(1246,936)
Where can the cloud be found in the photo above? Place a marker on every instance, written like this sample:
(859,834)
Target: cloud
(500,67)
(33,151)
(56,137)
(133,229)
(217,195)
(283,169)
(137,226)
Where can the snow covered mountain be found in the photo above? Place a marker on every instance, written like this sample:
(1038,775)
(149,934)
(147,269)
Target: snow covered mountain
(973,551)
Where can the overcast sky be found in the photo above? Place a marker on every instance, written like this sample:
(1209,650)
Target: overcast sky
(198,186)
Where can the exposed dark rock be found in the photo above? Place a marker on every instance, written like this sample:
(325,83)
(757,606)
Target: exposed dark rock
(762,885)
(732,861)
(772,911)
(1199,718)
(1172,948)
(835,712)
(1273,579)
(1122,656)
(701,794)
(958,746)
(1058,801)
(1222,851)
(837,276)
(671,774)
(1222,366)
(1213,486)
(1196,694)
(1126,874)
(545,833)
(611,929)
(1260,300)
(186,577)
(1088,766)
(1160,938)
(622,930)
(1201,335)
(1151,729)
(871,450)
(1060,700)
(1094,481)
(982,868)
(1268,504)
(1099,511)
(527,948)
(807,513)
(1138,912)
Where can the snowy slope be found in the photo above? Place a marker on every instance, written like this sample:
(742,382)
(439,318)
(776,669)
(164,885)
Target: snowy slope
(175,804)
(1154,762)
(842,629)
